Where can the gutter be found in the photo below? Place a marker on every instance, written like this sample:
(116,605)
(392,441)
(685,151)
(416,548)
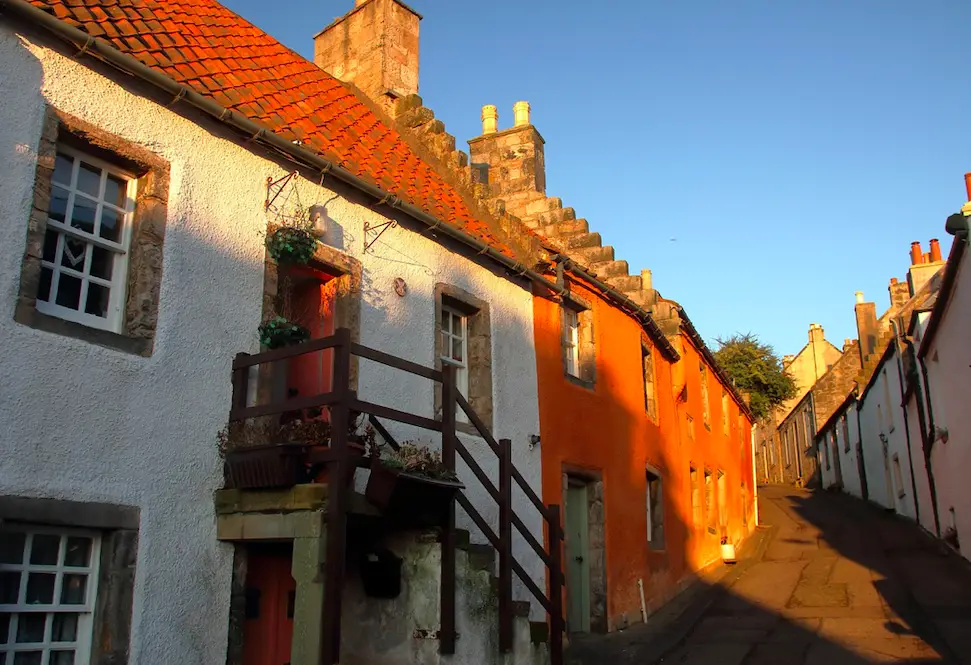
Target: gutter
(706,353)
(259,133)
(619,298)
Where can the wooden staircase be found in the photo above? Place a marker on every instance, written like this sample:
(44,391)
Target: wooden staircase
(341,401)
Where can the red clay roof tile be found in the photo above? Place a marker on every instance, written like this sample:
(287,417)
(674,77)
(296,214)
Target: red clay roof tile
(192,40)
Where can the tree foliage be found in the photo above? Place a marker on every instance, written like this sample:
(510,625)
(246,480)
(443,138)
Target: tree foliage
(756,370)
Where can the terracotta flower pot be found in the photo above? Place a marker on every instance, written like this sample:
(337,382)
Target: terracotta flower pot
(410,499)
(266,467)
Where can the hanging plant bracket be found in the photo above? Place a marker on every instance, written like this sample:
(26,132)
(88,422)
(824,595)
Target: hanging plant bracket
(373,231)
(279,184)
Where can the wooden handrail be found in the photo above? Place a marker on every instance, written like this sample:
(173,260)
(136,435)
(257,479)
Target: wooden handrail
(477,470)
(382,430)
(396,362)
(396,414)
(319,344)
(505,545)
(294,404)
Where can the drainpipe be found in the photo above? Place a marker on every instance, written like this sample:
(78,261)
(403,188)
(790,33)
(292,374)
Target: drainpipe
(900,378)
(927,442)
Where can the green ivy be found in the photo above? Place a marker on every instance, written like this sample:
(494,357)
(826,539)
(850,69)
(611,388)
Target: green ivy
(289,244)
(279,332)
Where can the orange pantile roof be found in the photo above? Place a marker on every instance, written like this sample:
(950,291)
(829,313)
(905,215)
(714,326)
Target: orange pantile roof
(206,47)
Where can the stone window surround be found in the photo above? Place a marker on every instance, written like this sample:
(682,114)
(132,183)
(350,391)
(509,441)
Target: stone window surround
(650,402)
(147,240)
(587,342)
(653,470)
(479,346)
(118,525)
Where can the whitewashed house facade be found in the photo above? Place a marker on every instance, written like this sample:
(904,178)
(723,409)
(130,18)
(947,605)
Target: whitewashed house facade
(133,269)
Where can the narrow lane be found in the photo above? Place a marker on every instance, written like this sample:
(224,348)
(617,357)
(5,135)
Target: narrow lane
(840,583)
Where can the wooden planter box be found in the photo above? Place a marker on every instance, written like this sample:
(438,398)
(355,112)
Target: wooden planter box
(266,467)
(408,499)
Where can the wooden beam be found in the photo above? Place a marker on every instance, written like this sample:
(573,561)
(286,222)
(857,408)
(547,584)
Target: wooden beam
(505,546)
(446,644)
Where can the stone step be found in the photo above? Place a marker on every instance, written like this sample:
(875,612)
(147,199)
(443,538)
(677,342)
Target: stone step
(584,240)
(567,228)
(556,216)
(608,269)
(625,283)
(643,297)
(482,557)
(590,255)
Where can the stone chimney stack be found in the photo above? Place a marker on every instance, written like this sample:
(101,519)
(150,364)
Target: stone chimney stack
(866,326)
(816,333)
(375,47)
(511,162)
(923,266)
(787,360)
(899,293)
(847,342)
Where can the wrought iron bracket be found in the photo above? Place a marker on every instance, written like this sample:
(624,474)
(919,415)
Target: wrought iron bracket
(278,185)
(373,231)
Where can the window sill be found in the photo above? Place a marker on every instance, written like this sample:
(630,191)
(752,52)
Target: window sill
(577,381)
(26,314)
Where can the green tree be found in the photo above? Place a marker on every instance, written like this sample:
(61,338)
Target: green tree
(756,370)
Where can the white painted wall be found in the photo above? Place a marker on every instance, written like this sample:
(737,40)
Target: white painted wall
(947,362)
(86,423)
(884,439)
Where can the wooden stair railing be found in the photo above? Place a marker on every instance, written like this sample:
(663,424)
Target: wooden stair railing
(341,401)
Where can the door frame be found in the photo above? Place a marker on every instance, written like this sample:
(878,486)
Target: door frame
(596,541)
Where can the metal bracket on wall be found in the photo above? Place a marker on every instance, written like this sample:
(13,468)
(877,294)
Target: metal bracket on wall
(279,185)
(373,231)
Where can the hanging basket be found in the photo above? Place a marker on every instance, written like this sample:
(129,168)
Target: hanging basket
(408,499)
(279,332)
(289,244)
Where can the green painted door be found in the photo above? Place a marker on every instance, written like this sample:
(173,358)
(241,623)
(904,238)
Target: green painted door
(577,558)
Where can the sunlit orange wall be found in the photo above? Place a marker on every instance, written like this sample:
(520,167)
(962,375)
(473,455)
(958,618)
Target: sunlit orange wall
(606,430)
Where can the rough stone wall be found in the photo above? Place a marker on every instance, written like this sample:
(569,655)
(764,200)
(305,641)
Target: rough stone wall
(831,390)
(375,46)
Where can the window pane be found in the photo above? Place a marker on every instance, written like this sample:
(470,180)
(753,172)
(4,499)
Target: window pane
(50,245)
(78,549)
(9,587)
(65,628)
(27,658)
(62,658)
(97,300)
(89,179)
(4,627)
(12,547)
(72,253)
(110,225)
(44,548)
(62,169)
(82,214)
(30,628)
(446,321)
(102,262)
(68,291)
(44,287)
(58,206)
(72,589)
(116,191)
(457,349)
(40,588)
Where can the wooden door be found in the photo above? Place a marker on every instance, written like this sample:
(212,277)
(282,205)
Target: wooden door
(270,593)
(311,296)
(577,558)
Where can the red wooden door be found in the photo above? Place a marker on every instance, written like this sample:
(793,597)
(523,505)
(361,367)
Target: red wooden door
(270,592)
(312,306)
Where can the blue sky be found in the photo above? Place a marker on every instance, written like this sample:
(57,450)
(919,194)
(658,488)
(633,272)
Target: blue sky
(764,159)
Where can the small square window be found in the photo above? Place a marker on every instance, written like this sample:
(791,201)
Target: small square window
(84,267)
(47,594)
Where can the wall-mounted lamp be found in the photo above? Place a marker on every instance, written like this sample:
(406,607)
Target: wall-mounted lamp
(533,440)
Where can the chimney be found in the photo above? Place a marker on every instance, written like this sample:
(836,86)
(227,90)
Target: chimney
(375,47)
(511,162)
(866,326)
(490,119)
(815,333)
(923,266)
(846,344)
(899,293)
(787,360)
(967,184)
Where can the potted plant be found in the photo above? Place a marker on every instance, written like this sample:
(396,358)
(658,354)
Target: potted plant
(278,332)
(411,485)
(293,241)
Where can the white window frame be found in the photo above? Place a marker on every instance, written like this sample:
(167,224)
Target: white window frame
(84,612)
(571,341)
(461,367)
(120,250)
